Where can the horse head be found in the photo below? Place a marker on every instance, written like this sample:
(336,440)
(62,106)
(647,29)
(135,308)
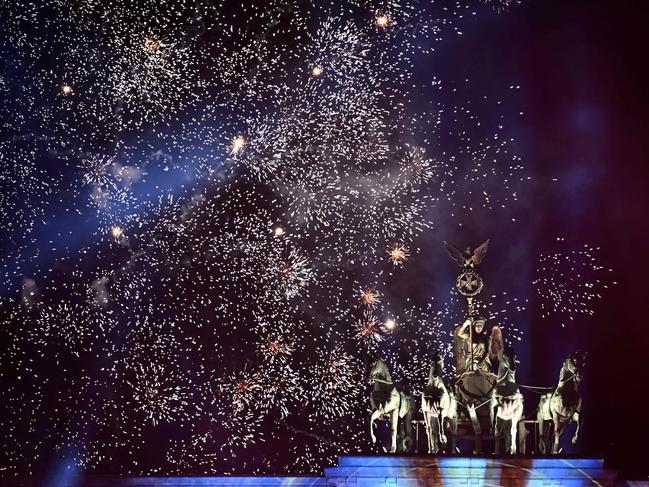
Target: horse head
(377,369)
(437,365)
(370,362)
(577,364)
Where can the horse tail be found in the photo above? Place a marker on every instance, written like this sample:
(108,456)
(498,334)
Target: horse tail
(427,402)
(433,404)
(433,398)
(381,400)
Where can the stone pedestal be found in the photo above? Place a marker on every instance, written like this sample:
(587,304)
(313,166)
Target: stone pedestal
(395,471)
(402,471)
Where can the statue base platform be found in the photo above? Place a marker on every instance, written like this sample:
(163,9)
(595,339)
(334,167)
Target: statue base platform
(479,471)
(402,471)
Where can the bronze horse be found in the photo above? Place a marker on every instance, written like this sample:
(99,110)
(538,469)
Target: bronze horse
(564,404)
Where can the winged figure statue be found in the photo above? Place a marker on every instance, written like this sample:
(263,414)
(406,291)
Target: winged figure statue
(466,258)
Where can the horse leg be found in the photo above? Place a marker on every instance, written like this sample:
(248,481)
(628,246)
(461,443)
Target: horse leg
(454,429)
(400,435)
(439,418)
(432,437)
(394,423)
(522,435)
(493,407)
(429,432)
(513,435)
(559,426)
(442,432)
(444,428)
(409,440)
(434,432)
(495,430)
(577,419)
(426,422)
(373,417)
(403,434)
(539,420)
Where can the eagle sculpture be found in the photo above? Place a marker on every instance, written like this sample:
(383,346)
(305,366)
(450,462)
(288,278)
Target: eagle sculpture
(466,258)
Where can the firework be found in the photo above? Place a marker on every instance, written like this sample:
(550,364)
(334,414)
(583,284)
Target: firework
(158,393)
(338,382)
(26,189)
(97,170)
(382,20)
(501,6)
(243,389)
(390,324)
(290,274)
(244,428)
(398,254)
(570,282)
(237,144)
(369,330)
(370,297)
(197,205)
(275,349)
(418,169)
(70,324)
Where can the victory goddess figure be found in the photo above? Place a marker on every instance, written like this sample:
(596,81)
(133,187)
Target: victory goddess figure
(475,349)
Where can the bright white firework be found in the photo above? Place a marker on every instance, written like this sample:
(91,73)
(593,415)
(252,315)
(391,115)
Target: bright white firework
(159,393)
(570,282)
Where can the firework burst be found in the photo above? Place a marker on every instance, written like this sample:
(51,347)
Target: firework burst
(243,389)
(337,380)
(197,203)
(370,297)
(369,330)
(501,6)
(158,393)
(275,349)
(398,254)
(570,282)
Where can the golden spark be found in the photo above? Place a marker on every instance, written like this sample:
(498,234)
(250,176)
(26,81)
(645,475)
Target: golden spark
(152,45)
(237,144)
(116,232)
(370,297)
(369,328)
(382,21)
(398,254)
(242,386)
(274,347)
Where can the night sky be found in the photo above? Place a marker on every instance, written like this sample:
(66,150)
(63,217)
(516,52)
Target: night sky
(194,219)
(579,66)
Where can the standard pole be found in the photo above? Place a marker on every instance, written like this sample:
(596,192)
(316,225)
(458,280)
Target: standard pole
(470,301)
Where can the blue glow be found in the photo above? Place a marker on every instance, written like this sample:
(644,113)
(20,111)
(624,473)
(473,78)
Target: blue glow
(408,471)
(66,474)
(471,468)
(214,481)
